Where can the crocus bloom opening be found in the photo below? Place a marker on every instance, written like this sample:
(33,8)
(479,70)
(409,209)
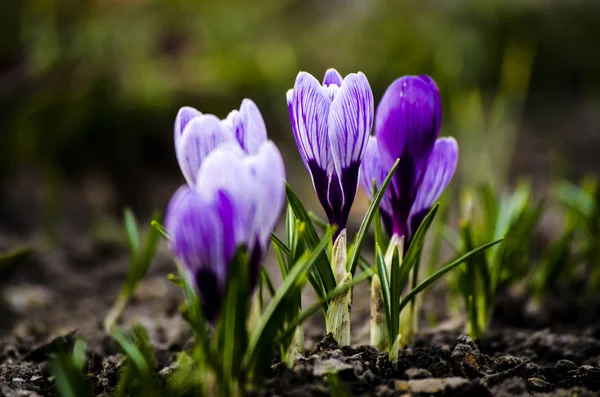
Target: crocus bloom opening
(331,124)
(407,127)
(233,198)
(197,134)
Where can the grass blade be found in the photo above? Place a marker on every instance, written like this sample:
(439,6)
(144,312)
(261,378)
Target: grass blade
(440,273)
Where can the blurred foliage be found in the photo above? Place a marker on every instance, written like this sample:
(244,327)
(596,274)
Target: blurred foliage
(89,82)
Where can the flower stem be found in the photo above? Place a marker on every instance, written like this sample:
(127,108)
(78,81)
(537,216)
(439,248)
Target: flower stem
(379,337)
(338,314)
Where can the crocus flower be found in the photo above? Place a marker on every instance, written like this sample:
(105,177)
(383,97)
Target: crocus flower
(236,201)
(331,124)
(407,126)
(197,134)
(233,197)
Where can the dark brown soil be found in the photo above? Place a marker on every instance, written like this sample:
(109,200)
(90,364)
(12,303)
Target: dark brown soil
(60,293)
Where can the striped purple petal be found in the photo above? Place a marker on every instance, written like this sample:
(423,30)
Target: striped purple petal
(184,116)
(267,172)
(331,125)
(199,137)
(350,123)
(224,169)
(248,126)
(201,237)
(332,76)
(309,111)
(440,170)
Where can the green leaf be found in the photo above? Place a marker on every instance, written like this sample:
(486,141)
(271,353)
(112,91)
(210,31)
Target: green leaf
(280,244)
(138,376)
(260,345)
(264,275)
(399,273)
(133,235)
(160,229)
(149,250)
(67,371)
(382,272)
(78,356)
(440,273)
(366,223)
(323,273)
(418,241)
(313,308)
(231,331)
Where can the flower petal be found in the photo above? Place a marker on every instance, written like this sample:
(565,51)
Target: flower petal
(408,119)
(200,137)
(442,166)
(267,171)
(309,105)
(200,230)
(407,124)
(224,170)
(248,126)
(184,116)
(332,77)
(350,122)
(372,169)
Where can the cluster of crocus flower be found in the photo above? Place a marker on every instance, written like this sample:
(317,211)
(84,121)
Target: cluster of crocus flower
(235,176)
(233,197)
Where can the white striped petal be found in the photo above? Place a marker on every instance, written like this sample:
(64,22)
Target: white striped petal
(200,136)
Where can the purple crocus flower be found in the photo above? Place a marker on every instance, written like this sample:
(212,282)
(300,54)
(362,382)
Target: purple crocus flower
(233,198)
(197,134)
(331,124)
(407,127)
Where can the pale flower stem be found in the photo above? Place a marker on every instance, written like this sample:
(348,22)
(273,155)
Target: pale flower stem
(379,337)
(299,339)
(378,326)
(337,320)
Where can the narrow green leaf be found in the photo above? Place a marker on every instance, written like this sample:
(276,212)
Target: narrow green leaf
(382,272)
(264,275)
(131,350)
(262,336)
(160,229)
(399,276)
(418,241)
(323,273)
(277,242)
(149,249)
(79,349)
(440,273)
(366,223)
(133,235)
(313,308)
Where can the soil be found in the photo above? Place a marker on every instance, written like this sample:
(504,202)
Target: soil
(62,291)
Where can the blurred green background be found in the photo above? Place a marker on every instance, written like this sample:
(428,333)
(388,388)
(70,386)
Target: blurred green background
(92,87)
